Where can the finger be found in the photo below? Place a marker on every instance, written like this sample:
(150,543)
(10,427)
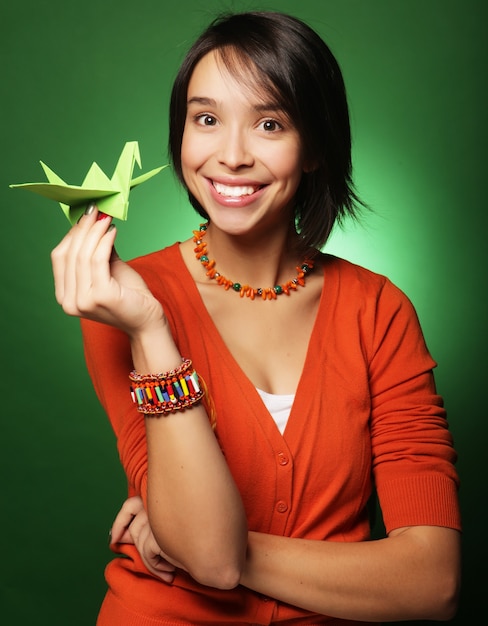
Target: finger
(150,549)
(120,535)
(101,263)
(133,505)
(58,260)
(124,518)
(71,261)
(139,527)
(92,270)
(158,562)
(165,576)
(154,561)
(59,255)
(62,261)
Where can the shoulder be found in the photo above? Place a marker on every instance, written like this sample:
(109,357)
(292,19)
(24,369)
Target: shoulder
(361,297)
(349,278)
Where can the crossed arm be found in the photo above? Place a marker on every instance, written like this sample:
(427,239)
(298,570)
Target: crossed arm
(414,573)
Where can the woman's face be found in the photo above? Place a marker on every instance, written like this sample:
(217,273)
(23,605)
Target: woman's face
(241,156)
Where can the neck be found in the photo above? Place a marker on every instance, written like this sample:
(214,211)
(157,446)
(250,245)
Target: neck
(261,261)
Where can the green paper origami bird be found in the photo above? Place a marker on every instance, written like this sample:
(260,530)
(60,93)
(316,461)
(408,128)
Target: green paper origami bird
(111,195)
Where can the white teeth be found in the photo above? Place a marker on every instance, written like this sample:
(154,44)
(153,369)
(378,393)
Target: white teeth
(233,191)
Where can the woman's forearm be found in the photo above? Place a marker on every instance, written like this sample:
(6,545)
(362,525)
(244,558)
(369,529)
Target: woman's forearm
(194,507)
(412,574)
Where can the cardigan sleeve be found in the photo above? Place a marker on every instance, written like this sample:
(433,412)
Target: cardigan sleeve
(108,359)
(413,454)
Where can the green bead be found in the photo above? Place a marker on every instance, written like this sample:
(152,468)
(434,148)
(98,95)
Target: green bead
(278,289)
(236,286)
(203,259)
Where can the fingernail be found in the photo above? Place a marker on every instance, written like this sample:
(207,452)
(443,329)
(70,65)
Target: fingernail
(102,216)
(90,208)
(111,227)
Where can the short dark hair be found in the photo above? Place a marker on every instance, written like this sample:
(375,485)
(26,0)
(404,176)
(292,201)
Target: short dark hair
(297,69)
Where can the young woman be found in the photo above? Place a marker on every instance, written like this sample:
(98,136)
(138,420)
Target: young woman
(274,388)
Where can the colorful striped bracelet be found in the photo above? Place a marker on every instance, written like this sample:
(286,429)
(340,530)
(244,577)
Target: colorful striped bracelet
(160,394)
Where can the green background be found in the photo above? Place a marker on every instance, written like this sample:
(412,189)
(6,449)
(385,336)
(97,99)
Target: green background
(81,78)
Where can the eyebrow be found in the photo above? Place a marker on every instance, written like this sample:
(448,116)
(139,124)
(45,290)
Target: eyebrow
(205,101)
(210,102)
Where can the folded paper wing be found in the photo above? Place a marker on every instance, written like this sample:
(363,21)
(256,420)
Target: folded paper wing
(110,194)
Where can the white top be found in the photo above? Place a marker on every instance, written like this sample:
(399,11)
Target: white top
(279,406)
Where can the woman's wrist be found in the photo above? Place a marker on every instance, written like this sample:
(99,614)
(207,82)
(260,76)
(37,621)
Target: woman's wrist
(154,349)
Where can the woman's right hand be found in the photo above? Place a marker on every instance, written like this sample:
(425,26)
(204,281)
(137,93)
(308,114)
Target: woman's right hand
(132,526)
(92,282)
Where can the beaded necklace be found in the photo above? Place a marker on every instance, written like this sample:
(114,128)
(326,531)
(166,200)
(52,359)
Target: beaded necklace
(269,293)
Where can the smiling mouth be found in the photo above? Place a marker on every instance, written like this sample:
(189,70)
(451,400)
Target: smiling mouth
(235,191)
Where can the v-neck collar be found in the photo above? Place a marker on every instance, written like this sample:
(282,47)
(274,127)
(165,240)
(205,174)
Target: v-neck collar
(305,383)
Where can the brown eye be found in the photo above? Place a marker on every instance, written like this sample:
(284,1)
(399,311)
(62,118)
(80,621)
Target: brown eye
(206,120)
(271,126)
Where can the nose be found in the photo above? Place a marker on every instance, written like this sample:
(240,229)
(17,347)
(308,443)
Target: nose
(235,149)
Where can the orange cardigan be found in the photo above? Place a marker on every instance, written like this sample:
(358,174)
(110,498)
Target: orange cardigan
(365,413)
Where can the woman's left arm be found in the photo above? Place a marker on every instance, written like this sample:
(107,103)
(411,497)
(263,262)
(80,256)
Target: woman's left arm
(414,573)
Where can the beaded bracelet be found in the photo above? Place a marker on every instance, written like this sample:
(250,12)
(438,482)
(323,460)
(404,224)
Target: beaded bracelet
(157,394)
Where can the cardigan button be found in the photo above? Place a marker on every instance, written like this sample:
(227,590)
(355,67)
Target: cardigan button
(281,506)
(282,458)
